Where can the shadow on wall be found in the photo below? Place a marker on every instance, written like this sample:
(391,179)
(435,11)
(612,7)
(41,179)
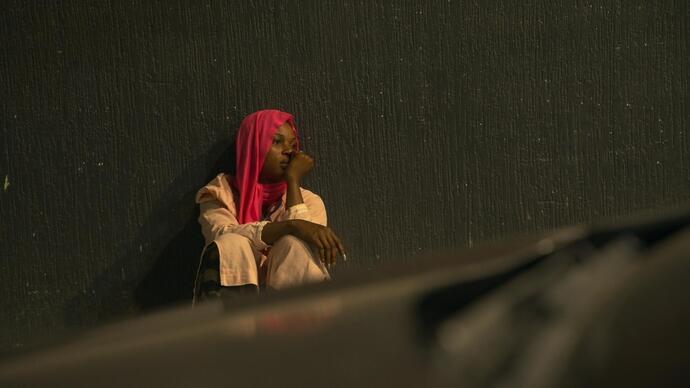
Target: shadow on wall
(171,278)
(135,283)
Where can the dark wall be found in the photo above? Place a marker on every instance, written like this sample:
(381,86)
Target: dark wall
(434,124)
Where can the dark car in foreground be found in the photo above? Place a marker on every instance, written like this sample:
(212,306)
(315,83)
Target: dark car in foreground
(587,306)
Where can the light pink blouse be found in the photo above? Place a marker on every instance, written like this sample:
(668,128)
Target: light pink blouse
(217,212)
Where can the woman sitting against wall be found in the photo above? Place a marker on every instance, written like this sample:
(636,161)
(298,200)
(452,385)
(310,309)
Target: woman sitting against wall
(262,229)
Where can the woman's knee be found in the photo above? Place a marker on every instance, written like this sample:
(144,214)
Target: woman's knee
(290,242)
(233,241)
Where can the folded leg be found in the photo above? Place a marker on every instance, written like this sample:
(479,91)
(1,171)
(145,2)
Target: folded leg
(292,262)
(238,260)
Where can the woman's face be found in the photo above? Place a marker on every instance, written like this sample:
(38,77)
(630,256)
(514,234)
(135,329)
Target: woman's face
(279,155)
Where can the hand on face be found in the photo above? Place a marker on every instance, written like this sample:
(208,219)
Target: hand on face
(300,165)
(280,155)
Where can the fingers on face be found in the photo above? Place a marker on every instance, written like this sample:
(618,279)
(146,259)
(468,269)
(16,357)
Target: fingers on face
(306,158)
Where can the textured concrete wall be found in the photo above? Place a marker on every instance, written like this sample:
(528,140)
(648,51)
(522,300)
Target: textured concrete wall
(434,124)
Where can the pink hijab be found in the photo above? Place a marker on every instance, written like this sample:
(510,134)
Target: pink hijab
(254,139)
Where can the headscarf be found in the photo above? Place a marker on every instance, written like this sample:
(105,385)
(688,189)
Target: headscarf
(254,140)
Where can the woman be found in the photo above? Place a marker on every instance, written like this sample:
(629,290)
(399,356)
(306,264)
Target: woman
(262,229)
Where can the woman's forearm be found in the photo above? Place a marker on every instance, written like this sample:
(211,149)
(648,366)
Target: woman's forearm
(275,230)
(272,231)
(294,194)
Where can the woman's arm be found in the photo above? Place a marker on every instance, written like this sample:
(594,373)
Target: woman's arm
(294,194)
(301,204)
(300,165)
(275,230)
(216,219)
(320,237)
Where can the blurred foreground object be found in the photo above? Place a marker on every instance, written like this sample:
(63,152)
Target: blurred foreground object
(584,306)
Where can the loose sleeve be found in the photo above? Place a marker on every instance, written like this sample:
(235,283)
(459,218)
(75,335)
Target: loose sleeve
(312,210)
(217,219)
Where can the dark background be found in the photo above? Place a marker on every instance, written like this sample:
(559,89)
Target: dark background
(433,124)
